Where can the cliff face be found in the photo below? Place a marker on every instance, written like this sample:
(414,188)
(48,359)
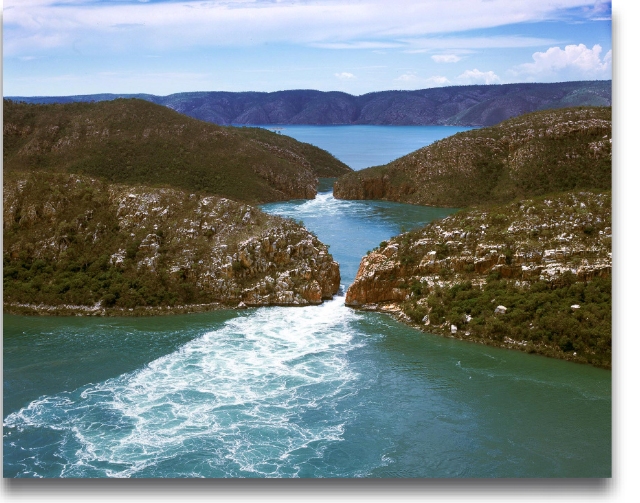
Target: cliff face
(73,244)
(482,105)
(136,142)
(536,258)
(531,155)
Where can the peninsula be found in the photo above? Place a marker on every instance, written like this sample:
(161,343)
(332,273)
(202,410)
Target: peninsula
(530,155)
(532,275)
(79,245)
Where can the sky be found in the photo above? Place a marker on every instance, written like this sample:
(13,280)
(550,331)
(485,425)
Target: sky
(68,47)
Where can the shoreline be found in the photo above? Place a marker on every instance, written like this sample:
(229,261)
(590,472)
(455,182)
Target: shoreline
(395,311)
(75,310)
(390,308)
(20,309)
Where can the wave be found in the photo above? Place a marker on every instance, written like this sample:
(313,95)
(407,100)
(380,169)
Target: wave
(258,397)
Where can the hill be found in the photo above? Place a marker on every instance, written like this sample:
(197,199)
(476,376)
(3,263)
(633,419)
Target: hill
(481,105)
(533,154)
(136,142)
(532,275)
(79,245)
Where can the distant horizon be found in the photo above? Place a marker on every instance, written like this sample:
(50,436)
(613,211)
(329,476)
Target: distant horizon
(163,47)
(302,89)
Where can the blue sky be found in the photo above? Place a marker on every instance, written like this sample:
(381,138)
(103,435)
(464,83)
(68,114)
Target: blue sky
(65,47)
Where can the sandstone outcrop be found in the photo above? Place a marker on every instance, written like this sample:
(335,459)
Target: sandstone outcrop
(101,246)
(526,241)
(543,244)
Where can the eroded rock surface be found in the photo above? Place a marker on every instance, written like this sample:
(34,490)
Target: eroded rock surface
(96,244)
(519,250)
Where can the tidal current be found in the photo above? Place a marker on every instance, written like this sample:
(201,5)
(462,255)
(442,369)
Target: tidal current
(321,391)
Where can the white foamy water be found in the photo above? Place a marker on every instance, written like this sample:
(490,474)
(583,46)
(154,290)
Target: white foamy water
(352,228)
(324,205)
(271,393)
(258,397)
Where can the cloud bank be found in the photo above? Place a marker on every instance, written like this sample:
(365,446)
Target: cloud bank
(410,80)
(475,76)
(445,58)
(573,58)
(42,25)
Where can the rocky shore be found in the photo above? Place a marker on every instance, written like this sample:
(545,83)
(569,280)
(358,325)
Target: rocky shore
(77,245)
(530,275)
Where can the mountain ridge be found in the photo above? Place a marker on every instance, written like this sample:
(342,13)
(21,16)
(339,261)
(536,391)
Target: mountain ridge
(474,105)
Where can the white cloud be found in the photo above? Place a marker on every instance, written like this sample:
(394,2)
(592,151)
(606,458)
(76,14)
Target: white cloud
(601,10)
(467,45)
(445,58)
(357,45)
(407,77)
(368,24)
(438,80)
(573,58)
(412,81)
(475,75)
(345,76)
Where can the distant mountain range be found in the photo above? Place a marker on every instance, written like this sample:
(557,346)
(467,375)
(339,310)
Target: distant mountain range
(482,105)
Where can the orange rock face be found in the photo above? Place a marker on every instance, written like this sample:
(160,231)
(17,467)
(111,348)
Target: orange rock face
(471,245)
(377,280)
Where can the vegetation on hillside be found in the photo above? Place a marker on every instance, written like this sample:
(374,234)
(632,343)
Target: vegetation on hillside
(78,244)
(533,275)
(137,142)
(531,155)
(538,318)
(474,105)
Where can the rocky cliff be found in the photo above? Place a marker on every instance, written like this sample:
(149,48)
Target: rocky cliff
(481,105)
(534,154)
(73,244)
(532,275)
(136,142)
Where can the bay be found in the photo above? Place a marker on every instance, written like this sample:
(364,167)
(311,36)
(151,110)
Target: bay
(360,147)
(321,391)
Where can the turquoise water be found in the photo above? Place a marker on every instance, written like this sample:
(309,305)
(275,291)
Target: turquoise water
(321,391)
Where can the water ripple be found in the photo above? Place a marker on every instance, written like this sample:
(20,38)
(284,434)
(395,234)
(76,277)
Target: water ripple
(258,397)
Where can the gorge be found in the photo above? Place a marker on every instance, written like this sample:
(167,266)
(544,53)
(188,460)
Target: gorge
(289,392)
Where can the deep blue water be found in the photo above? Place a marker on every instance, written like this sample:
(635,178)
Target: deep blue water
(322,391)
(362,146)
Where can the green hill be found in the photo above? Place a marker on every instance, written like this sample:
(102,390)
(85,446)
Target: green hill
(136,142)
(534,154)
(78,245)
(533,275)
